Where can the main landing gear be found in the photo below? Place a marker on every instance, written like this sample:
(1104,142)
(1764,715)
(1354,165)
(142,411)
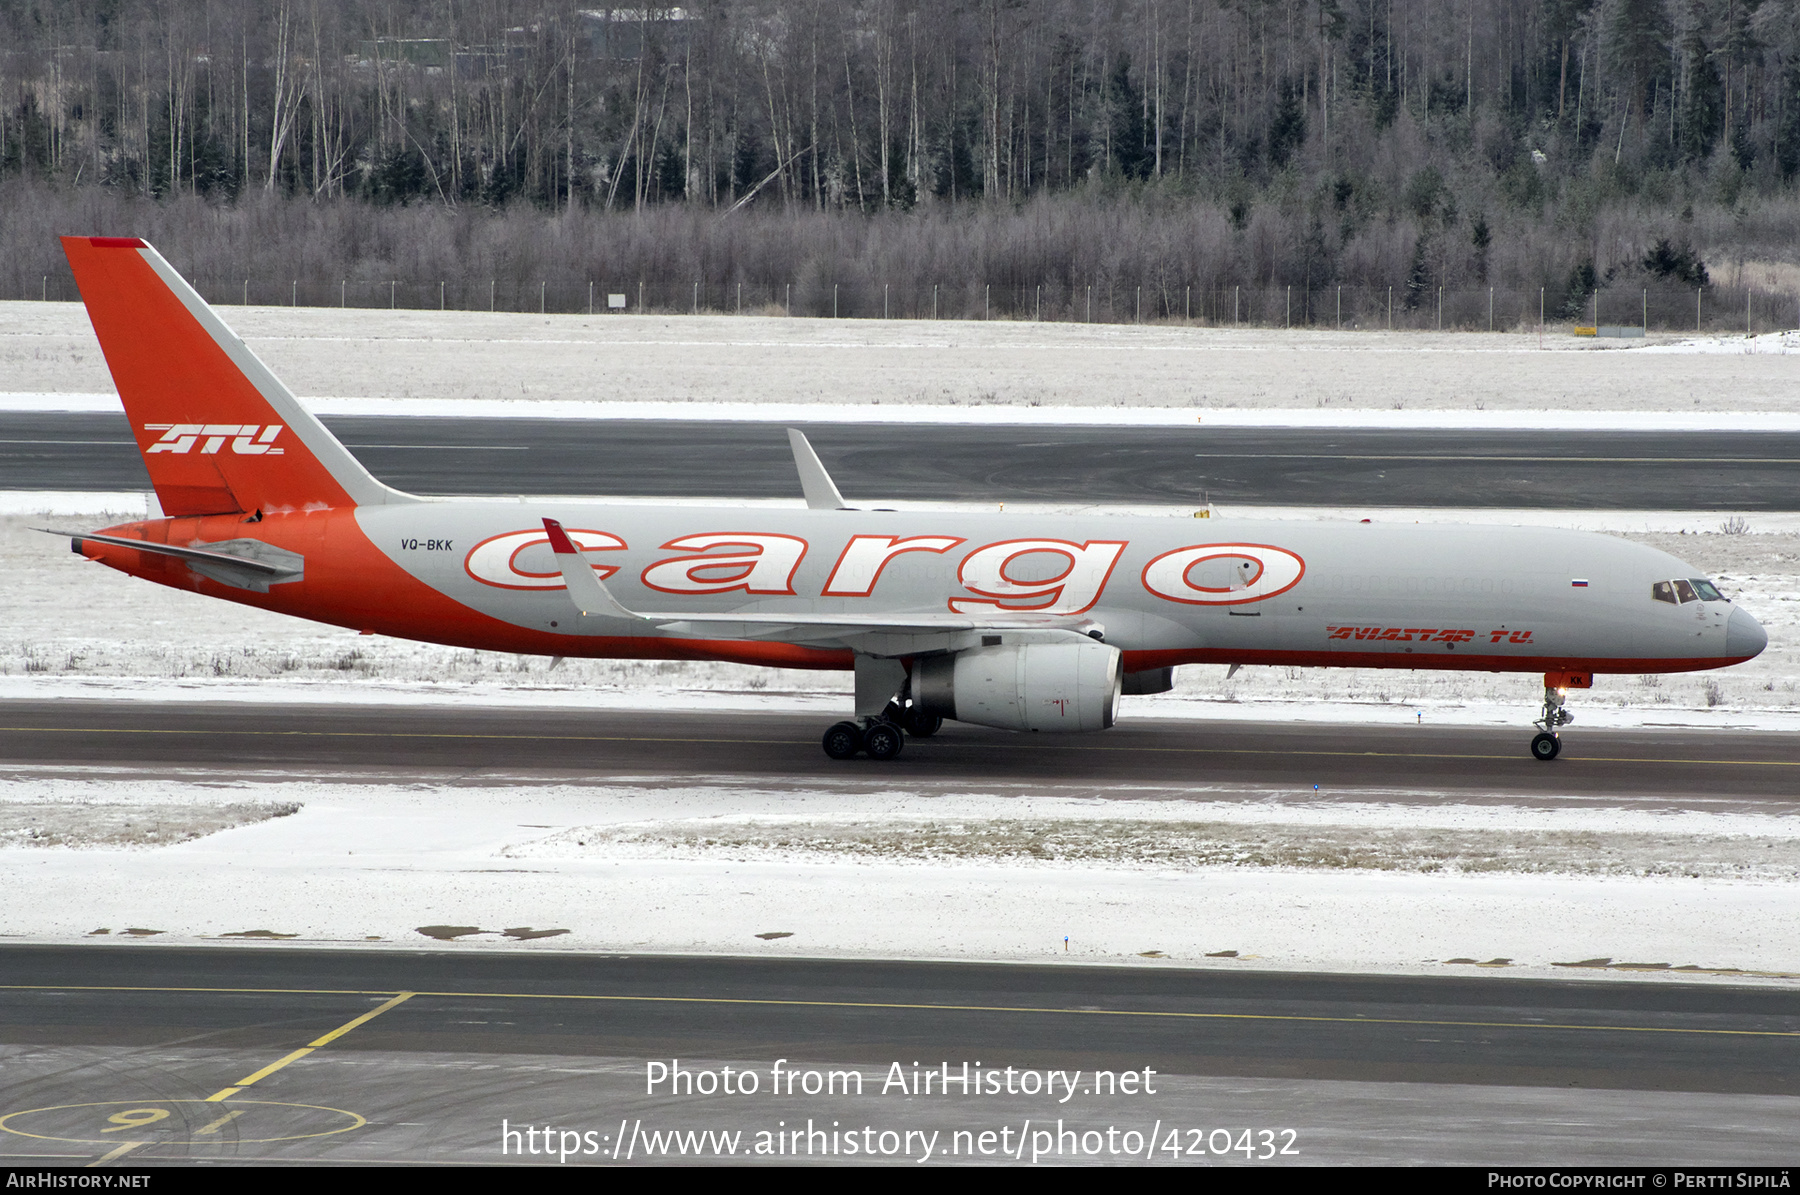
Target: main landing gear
(1547,744)
(879,740)
(883,737)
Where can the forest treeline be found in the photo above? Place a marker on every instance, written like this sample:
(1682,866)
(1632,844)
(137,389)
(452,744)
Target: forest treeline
(1412,144)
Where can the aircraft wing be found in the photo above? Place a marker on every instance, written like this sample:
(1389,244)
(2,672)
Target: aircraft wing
(893,633)
(821,492)
(898,634)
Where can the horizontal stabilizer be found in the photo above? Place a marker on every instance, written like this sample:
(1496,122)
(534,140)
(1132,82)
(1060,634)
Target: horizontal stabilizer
(201,555)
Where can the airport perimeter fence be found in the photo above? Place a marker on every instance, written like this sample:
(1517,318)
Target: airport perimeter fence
(1719,309)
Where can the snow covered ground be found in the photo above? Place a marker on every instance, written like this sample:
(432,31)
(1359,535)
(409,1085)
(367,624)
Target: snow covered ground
(1002,415)
(861,365)
(1765,344)
(1149,877)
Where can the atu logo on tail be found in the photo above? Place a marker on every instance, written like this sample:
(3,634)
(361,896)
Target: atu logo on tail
(247,439)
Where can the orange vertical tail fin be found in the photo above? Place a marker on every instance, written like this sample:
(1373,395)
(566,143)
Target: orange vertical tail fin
(218,432)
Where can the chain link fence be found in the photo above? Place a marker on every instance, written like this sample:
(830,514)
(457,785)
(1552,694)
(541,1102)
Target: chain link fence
(1712,309)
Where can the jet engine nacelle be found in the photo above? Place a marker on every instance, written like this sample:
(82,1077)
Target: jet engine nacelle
(1028,686)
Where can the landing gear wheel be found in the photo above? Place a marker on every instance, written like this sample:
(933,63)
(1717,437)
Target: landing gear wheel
(882,741)
(1546,746)
(843,740)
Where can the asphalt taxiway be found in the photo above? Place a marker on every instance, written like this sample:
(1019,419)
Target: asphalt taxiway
(1585,469)
(143,1054)
(1659,768)
(125,1054)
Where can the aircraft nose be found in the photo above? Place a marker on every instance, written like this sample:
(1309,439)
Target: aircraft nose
(1744,636)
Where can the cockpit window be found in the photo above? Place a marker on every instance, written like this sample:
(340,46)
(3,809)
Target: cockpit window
(1694,589)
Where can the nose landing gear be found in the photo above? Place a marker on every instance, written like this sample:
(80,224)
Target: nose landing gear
(1547,744)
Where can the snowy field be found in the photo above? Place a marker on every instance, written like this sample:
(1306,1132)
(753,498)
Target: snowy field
(1148,877)
(1001,369)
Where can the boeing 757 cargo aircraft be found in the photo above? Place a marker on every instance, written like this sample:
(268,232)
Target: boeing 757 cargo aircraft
(1024,622)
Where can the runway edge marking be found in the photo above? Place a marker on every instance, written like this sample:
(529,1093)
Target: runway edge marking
(726,1000)
(985,746)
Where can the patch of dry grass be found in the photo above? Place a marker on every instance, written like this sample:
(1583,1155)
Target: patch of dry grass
(1191,845)
(87,823)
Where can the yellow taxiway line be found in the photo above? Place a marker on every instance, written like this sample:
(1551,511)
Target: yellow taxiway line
(303,1051)
(398,998)
(120,1152)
